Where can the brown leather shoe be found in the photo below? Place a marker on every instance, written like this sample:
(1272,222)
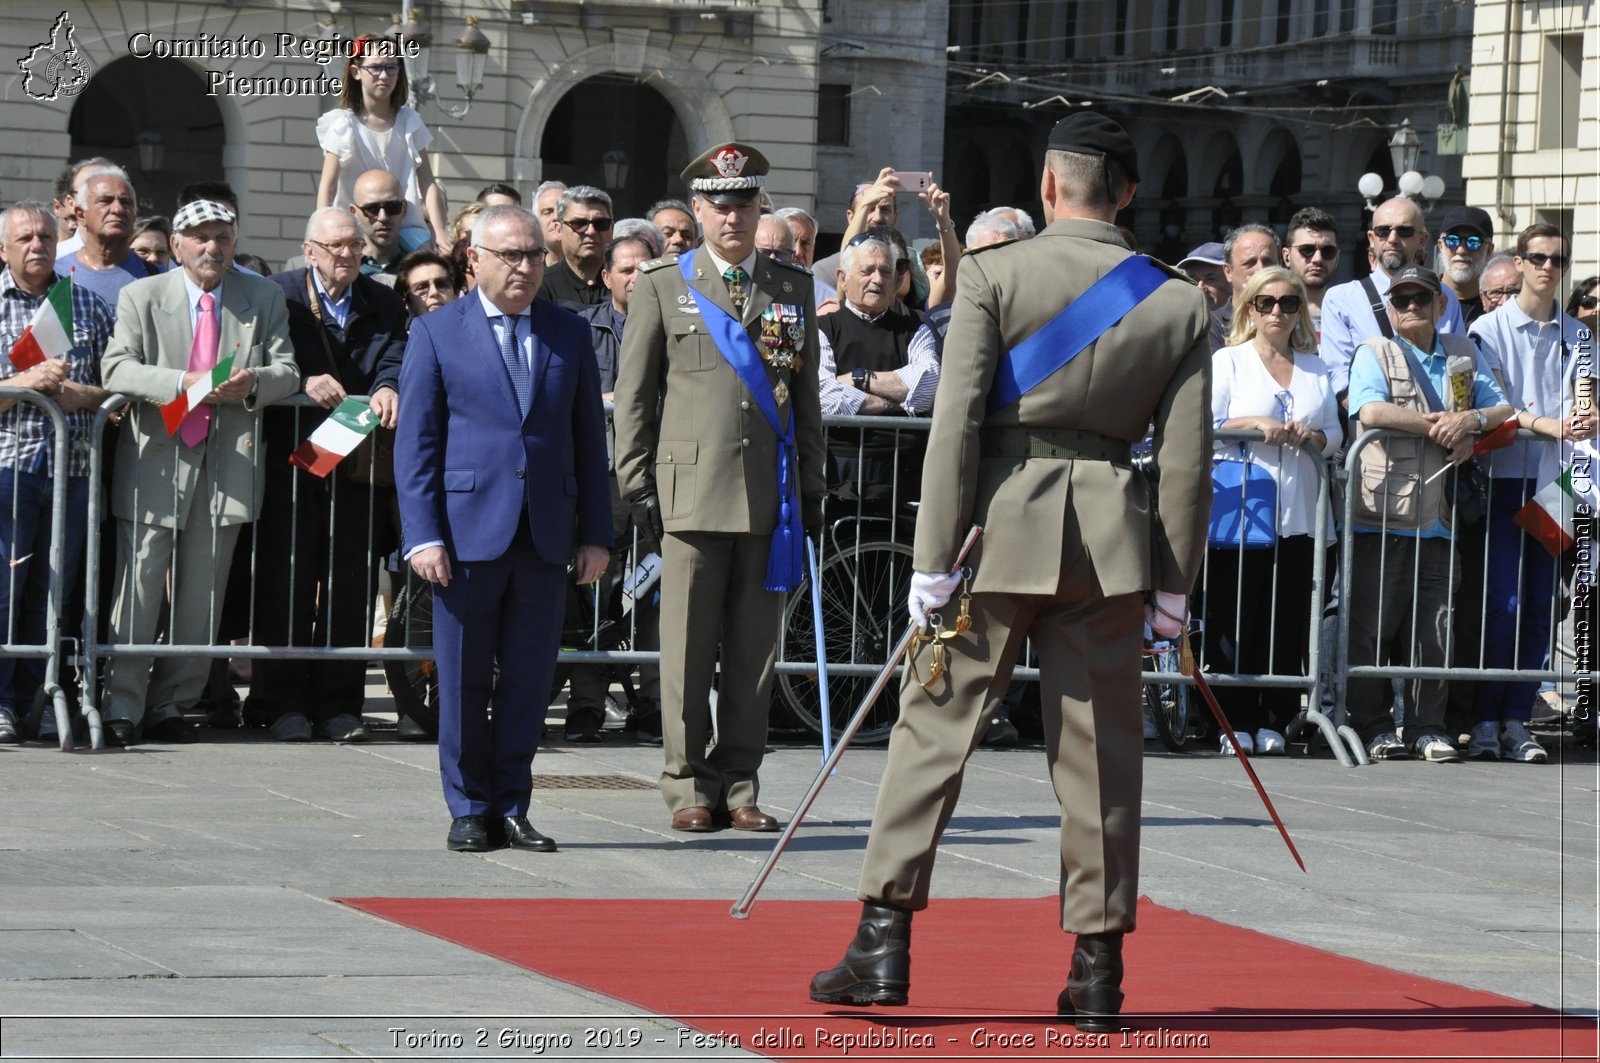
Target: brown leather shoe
(749,817)
(696,819)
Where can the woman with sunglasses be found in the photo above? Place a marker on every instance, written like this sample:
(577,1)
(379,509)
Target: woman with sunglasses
(373,128)
(1270,380)
(1584,304)
(426,280)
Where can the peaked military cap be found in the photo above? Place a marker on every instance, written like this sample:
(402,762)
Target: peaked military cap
(727,173)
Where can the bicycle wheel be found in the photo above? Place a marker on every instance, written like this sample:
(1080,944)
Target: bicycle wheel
(415,683)
(1168,702)
(864,593)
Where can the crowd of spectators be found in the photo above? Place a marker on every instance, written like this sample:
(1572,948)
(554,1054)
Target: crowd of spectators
(1307,363)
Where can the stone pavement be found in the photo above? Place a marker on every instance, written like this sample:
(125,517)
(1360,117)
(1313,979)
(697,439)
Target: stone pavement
(190,885)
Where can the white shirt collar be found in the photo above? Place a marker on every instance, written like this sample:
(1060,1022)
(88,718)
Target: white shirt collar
(195,292)
(722,264)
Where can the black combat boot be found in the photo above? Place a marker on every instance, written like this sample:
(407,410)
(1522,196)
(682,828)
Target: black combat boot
(1094,993)
(876,968)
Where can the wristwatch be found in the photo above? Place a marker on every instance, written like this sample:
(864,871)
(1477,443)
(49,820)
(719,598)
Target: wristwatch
(1483,421)
(862,380)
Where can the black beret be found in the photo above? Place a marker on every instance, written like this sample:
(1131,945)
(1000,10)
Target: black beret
(1088,133)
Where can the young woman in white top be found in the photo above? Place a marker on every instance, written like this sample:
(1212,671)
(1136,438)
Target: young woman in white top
(373,128)
(1258,601)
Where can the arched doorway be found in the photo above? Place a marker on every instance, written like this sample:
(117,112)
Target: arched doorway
(153,118)
(632,123)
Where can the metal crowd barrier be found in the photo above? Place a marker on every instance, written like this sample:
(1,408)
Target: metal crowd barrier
(865,566)
(51,693)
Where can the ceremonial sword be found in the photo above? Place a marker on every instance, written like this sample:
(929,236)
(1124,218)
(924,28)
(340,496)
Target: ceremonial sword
(741,907)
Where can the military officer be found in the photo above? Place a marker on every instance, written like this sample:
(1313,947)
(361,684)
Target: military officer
(1049,375)
(719,447)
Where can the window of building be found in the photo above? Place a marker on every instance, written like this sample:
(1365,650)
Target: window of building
(1559,85)
(1385,15)
(1347,16)
(1069,30)
(833,115)
(1560,217)
(1285,26)
(1225,25)
(1119,31)
(1320,13)
(1174,24)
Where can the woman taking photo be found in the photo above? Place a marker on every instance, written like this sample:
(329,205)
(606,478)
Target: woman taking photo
(1258,599)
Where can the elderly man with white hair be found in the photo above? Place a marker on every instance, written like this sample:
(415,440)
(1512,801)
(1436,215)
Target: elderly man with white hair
(105,208)
(873,358)
(991,228)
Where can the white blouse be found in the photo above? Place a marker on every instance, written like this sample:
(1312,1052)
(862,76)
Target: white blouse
(1242,387)
(359,149)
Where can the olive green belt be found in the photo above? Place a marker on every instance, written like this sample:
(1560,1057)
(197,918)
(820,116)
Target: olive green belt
(1063,444)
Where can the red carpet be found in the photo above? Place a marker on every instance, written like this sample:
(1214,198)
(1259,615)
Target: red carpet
(1197,989)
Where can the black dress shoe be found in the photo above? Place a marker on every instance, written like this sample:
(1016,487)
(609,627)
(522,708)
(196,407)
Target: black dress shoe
(1094,988)
(118,733)
(583,725)
(468,834)
(409,730)
(521,835)
(876,968)
(174,729)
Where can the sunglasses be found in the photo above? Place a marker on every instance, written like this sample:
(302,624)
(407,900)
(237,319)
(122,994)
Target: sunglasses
(1502,293)
(1416,300)
(581,225)
(1326,252)
(433,285)
(392,207)
(1589,302)
(1404,232)
(1264,304)
(515,256)
(1455,243)
(1539,259)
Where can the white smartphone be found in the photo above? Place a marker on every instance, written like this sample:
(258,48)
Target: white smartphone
(912,180)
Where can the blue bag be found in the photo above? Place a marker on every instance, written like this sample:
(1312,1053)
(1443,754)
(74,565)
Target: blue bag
(1244,504)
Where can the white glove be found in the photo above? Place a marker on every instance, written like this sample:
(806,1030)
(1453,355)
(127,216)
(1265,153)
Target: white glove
(930,590)
(1167,618)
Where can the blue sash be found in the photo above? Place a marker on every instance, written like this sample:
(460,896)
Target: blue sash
(1084,320)
(786,562)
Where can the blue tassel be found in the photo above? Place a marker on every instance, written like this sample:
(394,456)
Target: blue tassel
(786,562)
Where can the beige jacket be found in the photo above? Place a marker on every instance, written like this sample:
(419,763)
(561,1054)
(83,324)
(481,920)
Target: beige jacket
(685,422)
(1040,515)
(157,476)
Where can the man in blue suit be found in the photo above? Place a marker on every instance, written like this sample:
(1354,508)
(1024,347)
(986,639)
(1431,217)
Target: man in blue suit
(500,462)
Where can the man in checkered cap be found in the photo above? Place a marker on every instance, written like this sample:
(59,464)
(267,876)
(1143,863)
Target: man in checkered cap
(180,498)
(719,452)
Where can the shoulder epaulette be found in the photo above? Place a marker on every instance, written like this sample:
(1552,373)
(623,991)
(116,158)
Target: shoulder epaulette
(1172,271)
(656,263)
(987,247)
(797,267)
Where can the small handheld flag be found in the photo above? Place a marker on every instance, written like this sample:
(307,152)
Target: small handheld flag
(336,438)
(49,334)
(173,413)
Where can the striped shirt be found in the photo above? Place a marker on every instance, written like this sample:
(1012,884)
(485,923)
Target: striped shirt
(25,430)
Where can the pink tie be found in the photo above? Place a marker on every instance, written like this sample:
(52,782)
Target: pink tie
(202,357)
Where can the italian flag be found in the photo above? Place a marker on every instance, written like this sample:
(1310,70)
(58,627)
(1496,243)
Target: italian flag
(346,427)
(1548,515)
(49,334)
(175,411)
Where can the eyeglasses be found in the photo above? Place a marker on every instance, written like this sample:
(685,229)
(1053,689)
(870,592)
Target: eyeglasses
(1404,232)
(381,70)
(1502,293)
(392,207)
(581,225)
(346,247)
(1326,252)
(1264,304)
(1416,300)
(515,256)
(1454,242)
(1539,259)
(438,284)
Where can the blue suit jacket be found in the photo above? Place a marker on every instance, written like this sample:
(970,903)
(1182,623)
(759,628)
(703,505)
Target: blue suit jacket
(467,463)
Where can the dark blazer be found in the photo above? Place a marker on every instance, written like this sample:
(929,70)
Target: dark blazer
(468,465)
(366,356)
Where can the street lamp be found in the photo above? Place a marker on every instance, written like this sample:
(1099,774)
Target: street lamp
(614,165)
(472,50)
(1405,148)
(152,152)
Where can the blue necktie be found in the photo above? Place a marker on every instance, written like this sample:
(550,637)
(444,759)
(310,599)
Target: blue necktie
(516,365)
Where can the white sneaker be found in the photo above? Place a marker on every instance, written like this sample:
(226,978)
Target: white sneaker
(1517,744)
(1437,748)
(1244,743)
(1485,744)
(1270,741)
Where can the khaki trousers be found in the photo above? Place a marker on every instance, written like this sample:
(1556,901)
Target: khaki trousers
(713,598)
(1088,648)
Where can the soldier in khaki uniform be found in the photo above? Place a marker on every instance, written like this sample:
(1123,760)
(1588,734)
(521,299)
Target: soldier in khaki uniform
(719,446)
(1073,549)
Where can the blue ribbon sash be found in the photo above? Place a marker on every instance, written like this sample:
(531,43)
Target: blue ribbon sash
(1065,336)
(786,562)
